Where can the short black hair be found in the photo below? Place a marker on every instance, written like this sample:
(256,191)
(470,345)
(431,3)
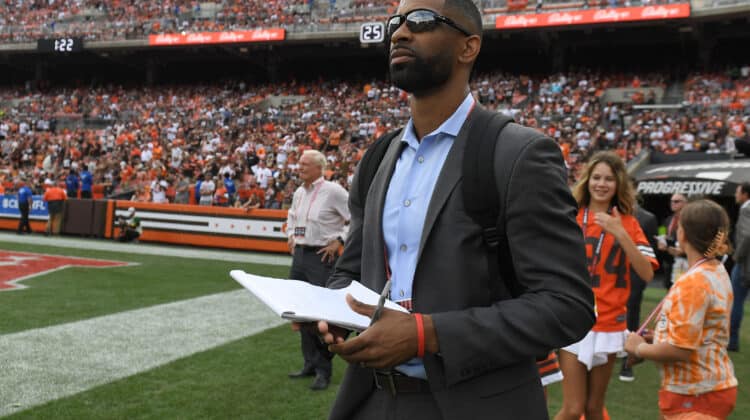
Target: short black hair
(470,11)
(745,188)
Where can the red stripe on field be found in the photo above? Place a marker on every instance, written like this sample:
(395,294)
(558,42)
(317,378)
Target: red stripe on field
(18,266)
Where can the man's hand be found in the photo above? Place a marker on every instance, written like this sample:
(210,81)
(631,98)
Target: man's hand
(330,251)
(289,242)
(331,334)
(389,342)
(675,251)
(661,243)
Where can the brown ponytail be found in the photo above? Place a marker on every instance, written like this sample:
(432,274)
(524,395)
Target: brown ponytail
(705,226)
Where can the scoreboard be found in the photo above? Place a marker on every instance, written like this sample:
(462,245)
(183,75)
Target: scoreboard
(60,45)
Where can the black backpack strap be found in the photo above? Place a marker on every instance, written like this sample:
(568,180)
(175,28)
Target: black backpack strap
(481,195)
(370,162)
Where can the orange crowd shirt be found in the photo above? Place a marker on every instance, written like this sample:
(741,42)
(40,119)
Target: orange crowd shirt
(54,194)
(610,280)
(695,316)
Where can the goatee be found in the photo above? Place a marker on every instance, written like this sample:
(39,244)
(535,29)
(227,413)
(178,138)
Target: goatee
(421,76)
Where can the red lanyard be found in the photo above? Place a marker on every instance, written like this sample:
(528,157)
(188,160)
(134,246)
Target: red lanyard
(312,200)
(387,266)
(672,231)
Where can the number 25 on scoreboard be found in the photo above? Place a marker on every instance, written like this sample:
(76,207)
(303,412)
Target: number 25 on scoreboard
(372,32)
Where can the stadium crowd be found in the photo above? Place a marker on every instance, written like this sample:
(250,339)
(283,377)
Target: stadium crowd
(135,141)
(29,20)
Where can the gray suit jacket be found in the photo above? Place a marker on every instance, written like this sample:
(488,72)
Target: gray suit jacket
(487,345)
(742,241)
(650,227)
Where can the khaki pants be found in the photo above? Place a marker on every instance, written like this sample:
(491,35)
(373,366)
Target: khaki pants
(55,217)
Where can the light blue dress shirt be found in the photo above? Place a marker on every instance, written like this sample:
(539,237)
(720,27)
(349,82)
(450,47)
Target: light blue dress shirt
(406,203)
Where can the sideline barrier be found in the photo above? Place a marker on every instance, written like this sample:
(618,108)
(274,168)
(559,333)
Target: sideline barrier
(207,226)
(182,224)
(9,213)
(77,217)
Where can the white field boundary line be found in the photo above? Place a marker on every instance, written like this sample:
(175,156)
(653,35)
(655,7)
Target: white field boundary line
(46,364)
(147,249)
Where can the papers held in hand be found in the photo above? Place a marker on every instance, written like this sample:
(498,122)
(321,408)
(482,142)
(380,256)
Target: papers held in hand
(303,302)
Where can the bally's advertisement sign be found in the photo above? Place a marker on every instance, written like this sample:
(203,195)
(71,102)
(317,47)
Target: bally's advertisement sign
(693,178)
(227,37)
(594,16)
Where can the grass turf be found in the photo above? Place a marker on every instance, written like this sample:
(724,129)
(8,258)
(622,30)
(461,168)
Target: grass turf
(638,399)
(77,293)
(242,379)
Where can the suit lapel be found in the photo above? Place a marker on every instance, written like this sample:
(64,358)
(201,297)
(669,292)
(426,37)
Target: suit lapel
(446,182)
(376,196)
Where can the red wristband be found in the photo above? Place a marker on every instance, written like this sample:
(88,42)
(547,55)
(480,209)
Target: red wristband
(420,334)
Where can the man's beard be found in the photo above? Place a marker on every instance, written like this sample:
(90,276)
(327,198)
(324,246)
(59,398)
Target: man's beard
(421,75)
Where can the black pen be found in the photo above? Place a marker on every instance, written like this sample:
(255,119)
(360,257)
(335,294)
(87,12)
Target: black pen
(381,302)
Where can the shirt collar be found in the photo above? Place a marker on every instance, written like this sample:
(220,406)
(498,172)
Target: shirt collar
(451,126)
(316,182)
(745,204)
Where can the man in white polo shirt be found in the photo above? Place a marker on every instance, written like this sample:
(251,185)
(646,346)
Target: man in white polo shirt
(316,226)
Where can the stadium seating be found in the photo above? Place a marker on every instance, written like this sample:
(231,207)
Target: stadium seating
(27,21)
(130,137)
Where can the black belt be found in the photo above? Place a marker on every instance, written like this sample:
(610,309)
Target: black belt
(398,383)
(309,247)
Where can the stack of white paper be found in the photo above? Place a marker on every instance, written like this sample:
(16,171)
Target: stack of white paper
(300,301)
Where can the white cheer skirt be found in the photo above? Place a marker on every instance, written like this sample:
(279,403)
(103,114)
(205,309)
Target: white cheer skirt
(594,349)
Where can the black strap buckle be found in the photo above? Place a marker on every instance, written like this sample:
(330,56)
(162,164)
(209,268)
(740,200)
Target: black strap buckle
(491,236)
(387,377)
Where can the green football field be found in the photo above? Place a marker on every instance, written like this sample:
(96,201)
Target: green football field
(176,338)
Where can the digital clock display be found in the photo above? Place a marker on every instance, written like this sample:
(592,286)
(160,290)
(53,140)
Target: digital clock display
(60,45)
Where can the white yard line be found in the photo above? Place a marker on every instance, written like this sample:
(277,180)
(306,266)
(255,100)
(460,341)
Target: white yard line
(149,249)
(41,365)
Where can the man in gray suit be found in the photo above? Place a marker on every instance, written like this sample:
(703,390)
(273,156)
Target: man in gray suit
(741,270)
(468,348)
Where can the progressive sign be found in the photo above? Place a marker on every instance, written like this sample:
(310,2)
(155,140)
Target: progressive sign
(687,188)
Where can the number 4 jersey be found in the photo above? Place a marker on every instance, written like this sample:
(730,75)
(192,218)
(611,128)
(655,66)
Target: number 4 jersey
(610,278)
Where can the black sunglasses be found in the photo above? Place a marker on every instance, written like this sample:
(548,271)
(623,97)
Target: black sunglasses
(421,20)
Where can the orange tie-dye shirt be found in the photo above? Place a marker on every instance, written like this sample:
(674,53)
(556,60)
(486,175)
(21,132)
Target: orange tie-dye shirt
(695,316)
